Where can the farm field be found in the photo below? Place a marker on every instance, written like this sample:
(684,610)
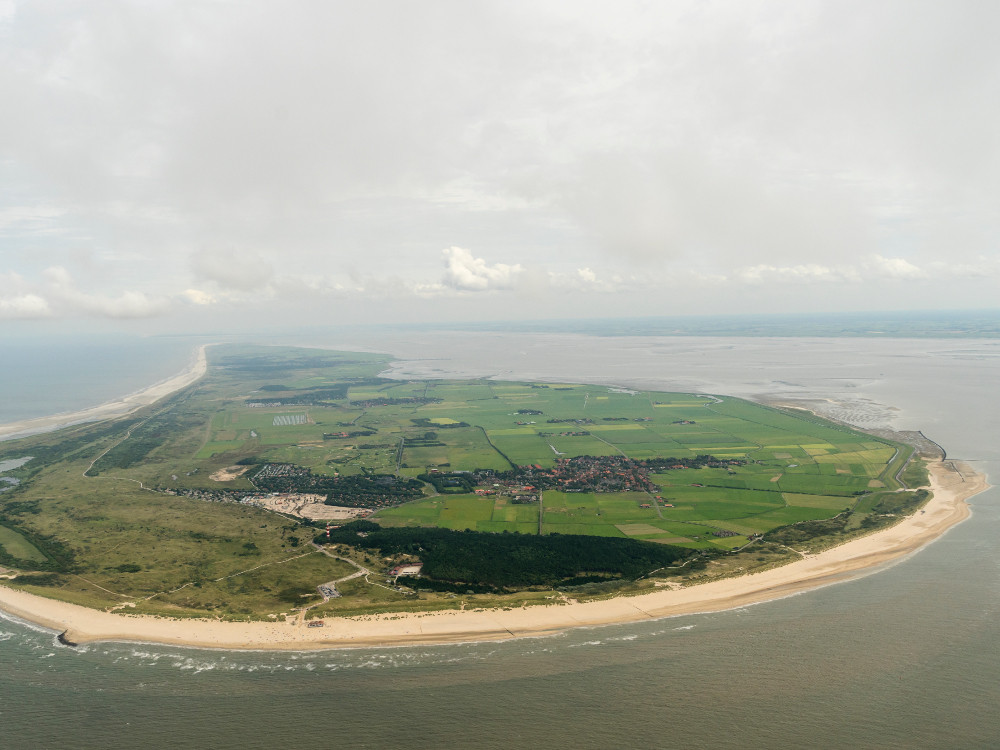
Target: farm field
(789,468)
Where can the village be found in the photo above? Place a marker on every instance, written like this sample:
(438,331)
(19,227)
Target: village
(589,474)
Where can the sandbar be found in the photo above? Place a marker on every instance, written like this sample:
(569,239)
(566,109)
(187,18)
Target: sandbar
(951,482)
(119,407)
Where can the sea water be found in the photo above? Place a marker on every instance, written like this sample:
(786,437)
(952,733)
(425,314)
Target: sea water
(904,657)
(57,374)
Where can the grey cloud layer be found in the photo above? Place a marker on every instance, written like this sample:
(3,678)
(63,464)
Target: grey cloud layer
(220,151)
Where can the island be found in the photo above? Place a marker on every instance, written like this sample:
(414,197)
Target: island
(296,498)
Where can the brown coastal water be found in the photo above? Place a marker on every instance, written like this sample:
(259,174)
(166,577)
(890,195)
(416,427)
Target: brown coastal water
(905,657)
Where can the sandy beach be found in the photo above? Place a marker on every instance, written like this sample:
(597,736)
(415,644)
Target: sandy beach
(117,408)
(951,482)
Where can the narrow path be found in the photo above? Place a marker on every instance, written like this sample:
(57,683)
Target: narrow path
(126,436)
(96,586)
(361,571)
(502,454)
(399,454)
(265,565)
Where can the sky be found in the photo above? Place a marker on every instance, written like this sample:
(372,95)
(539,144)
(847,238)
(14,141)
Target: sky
(188,166)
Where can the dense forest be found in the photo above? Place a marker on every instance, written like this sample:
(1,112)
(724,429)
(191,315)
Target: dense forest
(360,490)
(510,561)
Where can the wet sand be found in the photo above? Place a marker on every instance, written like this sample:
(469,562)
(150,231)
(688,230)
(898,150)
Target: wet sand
(952,484)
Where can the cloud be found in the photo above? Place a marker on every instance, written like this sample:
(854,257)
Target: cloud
(26,220)
(125,305)
(739,142)
(198,297)
(24,306)
(895,268)
(245,272)
(63,292)
(797,273)
(469,274)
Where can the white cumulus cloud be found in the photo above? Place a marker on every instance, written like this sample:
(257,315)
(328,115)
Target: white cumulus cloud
(802,272)
(24,306)
(470,274)
(198,297)
(896,268)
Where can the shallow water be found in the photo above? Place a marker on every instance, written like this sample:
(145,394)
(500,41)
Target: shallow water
(902,658)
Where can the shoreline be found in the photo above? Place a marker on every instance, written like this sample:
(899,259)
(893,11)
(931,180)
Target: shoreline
(951,482)
(117,408)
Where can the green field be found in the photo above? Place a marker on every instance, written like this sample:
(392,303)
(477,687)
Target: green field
(181,543)
(16,545)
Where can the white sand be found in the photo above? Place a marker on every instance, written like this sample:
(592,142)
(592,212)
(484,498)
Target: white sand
(117,408)
(951,487)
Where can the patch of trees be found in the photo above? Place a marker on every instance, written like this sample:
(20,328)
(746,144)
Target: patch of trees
(512,561)
(425,422)
(39,579)
(803,531)
(401,401)
(21,507)
(528,411)
(372,491)
(893,505)
(145,437)
(884,513)
(346,435)
(704,460)
(44,453)
(58,557)
(367,490)
(428,440)
(126,568)
(450,482)
(296,594)
(305,397)
(428,584)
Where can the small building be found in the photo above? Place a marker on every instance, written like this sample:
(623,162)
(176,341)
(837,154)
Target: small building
(409,569)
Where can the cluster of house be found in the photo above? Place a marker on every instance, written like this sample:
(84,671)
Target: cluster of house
(595,473)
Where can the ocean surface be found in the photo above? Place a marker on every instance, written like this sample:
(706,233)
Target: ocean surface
(904,657)
(52,375)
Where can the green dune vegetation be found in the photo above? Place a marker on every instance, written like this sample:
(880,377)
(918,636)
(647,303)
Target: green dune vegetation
(296,480)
